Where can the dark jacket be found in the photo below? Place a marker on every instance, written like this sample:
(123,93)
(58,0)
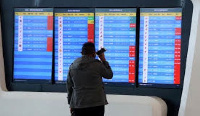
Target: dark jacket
(84,82)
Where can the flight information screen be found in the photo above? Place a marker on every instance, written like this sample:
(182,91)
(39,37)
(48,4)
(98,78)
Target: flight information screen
(33,43)
(73,27)
(115,30)
(160,46)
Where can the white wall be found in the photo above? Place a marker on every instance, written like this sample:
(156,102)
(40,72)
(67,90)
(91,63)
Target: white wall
(190,100)
(55,104)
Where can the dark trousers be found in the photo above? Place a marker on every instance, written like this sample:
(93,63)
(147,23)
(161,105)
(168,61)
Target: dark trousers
(91,111)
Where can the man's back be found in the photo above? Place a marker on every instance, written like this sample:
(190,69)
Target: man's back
(86,75)
(85,88)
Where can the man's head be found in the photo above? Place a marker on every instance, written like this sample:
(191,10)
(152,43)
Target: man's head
(88,49)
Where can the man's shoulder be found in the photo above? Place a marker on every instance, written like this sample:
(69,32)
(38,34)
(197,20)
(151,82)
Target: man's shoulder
(98,61)
(77,60)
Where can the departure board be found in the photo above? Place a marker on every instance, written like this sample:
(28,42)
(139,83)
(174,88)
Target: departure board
(160,46)
(73,27)
(115,30)
(33,44)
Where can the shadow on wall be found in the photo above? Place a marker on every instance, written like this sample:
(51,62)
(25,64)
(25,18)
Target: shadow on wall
(2,71)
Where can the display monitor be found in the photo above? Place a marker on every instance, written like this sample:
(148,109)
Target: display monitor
(160,47)
(73,27)
(115,30)
(33,44)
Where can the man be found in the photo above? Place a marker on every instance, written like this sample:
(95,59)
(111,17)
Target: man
(86,95)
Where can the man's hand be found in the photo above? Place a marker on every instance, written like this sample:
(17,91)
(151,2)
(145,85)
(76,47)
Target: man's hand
(102,57)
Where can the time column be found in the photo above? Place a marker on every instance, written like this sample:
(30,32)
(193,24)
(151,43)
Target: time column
(91,27)
(132,49)
(177,51)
